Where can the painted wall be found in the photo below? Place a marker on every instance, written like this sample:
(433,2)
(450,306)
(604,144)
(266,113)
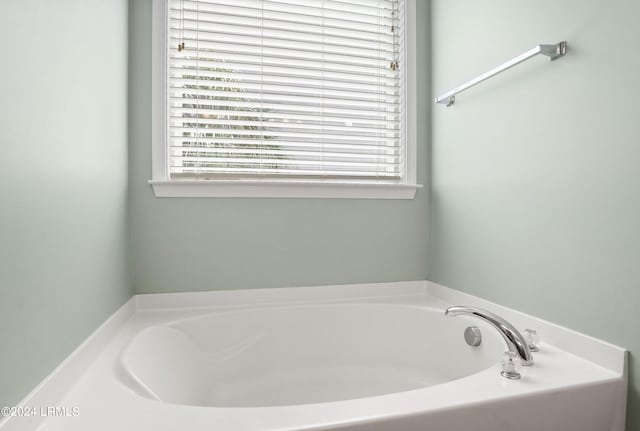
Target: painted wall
(536,180)
(63,181)
(184,244)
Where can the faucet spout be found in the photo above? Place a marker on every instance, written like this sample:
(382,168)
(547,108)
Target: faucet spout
(515,341)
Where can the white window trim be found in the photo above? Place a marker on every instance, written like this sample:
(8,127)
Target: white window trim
(164,187)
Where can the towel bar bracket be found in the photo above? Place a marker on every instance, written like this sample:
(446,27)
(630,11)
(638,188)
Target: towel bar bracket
(554,52)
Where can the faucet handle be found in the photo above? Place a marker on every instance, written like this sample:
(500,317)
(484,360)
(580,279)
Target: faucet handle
(532,339)
(510,366)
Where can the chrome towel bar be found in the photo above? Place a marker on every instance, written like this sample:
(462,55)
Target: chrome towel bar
(552,51)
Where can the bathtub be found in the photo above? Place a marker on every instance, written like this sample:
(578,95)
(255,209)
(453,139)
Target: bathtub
(301,355)
(365,357)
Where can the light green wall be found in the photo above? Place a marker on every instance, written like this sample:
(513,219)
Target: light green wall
(536,173)
(184,244)
(63,180)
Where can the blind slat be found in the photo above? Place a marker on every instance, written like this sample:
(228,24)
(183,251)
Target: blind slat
(266,136)
(304,162)
(213,81)
(290,26)
(288,150)
(279,174)
(292,50)
(286,115)
(271,75)
(292,10)
(275,126)
(260,26)
(195,91)
(239,63)
(281,139)
(282,57)
(300,7)
(262,38)
(177,106)
(186,124)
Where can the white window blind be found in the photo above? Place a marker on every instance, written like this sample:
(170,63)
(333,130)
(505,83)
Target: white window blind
(286,89)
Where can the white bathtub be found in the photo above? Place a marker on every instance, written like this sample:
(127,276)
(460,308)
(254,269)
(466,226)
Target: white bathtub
(302,355)
(368,357)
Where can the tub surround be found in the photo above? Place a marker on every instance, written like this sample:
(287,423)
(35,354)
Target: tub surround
(568,361)
(534,197)
(53,388)
(64,247)
(184,244)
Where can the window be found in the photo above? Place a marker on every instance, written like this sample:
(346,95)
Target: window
(305,98)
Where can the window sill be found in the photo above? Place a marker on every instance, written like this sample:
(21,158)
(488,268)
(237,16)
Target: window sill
(282,189)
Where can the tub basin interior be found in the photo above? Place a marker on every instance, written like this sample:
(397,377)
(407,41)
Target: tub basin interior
(301,355)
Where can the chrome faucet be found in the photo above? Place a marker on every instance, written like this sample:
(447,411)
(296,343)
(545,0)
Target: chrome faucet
(515,341)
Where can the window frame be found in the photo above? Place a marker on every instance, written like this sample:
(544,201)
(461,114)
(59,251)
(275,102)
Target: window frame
(163,186)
